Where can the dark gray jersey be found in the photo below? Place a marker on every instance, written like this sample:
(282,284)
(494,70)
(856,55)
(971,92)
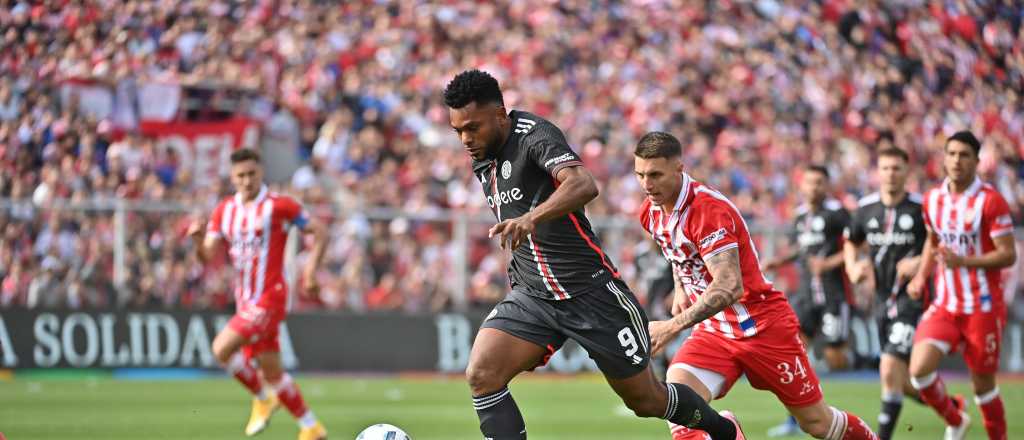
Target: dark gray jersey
(562,258)
(820,233)
(892,233)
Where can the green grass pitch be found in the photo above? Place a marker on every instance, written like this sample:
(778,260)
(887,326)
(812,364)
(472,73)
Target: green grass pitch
(429,408)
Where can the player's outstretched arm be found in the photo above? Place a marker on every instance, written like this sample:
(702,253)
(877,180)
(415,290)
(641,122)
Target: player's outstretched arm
(856,268)
(576,188)
(916,286)
(725,289)
(207,245)
(318,230)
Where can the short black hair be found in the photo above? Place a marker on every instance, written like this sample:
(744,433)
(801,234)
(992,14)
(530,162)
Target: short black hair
(894,152)
(818,169)
(968,138)
(472,86)
(657,144)
(244,154)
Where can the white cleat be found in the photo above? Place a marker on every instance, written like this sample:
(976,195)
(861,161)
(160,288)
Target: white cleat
(958,432)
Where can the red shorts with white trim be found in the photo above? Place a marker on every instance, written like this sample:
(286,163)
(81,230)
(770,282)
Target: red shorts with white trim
(259,327)
(773,360)
(979,335)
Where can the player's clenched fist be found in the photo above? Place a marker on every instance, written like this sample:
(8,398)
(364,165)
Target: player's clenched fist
(196,229)
(513,232)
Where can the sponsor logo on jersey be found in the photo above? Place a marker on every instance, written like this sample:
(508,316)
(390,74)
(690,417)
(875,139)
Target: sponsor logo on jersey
(504,197)
(712,238)
(808,239)
(896,238)
(557,160)
(873,223)
(959,242)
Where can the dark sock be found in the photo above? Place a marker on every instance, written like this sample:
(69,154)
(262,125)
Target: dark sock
(887,418)
(499,415)
(687,408)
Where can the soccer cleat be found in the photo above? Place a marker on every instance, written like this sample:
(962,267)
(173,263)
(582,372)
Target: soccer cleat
(315,432)
(732,418)
(261,412)
(959,432)
(789,428)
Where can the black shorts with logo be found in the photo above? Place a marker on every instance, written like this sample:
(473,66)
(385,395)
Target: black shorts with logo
(897,322)
(608,322)
(831,319)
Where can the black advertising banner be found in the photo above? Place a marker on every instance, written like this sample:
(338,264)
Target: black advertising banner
(309,341)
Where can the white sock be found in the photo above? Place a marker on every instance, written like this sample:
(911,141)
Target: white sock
(307,420)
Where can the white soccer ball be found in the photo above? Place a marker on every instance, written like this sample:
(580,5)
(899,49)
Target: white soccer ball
(383,431)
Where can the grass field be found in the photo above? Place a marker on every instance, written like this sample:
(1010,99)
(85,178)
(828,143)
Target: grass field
(430,408)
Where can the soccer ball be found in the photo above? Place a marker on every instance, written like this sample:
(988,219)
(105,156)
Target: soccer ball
(383,431)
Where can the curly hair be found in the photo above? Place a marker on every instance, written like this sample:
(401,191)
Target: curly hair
(472,86)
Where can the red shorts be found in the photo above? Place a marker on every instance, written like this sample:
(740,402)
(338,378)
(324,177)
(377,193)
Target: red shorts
(979,334)
(259,328)
(773,360)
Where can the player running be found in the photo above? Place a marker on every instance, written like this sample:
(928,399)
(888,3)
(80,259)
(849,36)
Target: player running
(970,238)
(820,302)
(563,285)
(889,223)
(741,324)
(254,225)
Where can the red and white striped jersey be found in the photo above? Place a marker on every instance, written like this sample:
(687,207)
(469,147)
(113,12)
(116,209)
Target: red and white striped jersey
(255,233)
(966,224)
(702,224)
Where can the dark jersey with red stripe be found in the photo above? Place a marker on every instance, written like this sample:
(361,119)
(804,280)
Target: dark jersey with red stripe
(562,258)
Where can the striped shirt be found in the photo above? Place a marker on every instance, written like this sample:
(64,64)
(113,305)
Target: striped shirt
(255,233)
(967,224)
(702,224)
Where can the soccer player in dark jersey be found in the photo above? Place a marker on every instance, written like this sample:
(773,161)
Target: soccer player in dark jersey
(563,285)
(890,225)
(820,301)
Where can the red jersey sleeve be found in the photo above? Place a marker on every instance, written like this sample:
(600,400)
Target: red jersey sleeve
(714,227)
(291,211)
(644,214)
(996,215)
(213,227)
(925,210)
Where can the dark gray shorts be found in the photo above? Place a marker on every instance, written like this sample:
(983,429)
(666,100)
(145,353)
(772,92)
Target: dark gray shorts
(608,322)
(897,323)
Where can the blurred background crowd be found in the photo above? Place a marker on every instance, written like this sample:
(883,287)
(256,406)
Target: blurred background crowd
(347,101)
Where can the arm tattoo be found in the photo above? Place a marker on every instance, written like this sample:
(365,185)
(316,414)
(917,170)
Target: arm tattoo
(725,289)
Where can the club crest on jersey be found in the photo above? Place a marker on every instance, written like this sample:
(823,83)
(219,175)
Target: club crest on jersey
(506,170)
(818,224)
(906,222)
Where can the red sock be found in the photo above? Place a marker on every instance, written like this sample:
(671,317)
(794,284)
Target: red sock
(992,412)
(289,396)
(934,394)
(680,432)
(239,367)
(856,429)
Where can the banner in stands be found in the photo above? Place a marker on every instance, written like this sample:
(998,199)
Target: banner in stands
(203,147)
(309,341)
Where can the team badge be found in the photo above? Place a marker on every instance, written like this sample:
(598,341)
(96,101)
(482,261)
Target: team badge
(506,170)
(818,224)
(906,222)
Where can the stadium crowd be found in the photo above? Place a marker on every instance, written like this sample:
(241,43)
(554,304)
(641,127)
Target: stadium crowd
(756,88)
